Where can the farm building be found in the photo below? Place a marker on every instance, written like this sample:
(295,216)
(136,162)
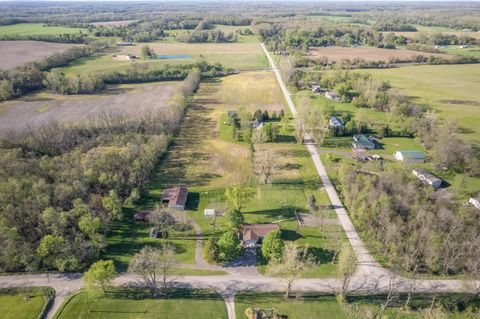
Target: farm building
(316,89)
(362,142)
(410,156)
(475,202)
(209,212)
(332,95)
(252,235)
(335,122)
(257,124)
(428,178)
(141,216)
(175,197)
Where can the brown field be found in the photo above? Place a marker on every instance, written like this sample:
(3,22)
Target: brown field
(369,54)
(132,99)
(119,23)
(16,53)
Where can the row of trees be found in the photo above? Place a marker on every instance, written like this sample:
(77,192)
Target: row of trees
(63,186)
(206,36)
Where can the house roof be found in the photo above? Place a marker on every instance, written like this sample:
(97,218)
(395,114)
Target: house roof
(334,121)
(363,140)
(428,176)
(175,196)
(412,154)
(255,231)
(257,124)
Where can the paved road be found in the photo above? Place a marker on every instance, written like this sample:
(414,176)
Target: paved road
(369,277)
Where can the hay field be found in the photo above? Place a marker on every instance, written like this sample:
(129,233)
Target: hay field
(131,99)
(24,29)
(369,54)
(17,53)
(452,90)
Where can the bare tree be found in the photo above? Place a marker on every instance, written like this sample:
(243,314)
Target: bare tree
(265,165)
(333,240)
(347,263)
(154,267)
(392,292)
(292,265)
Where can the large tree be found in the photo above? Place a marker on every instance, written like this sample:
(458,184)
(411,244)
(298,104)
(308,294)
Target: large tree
(229,245)
(272,245)
(294,263)
(236,195)
(100,275)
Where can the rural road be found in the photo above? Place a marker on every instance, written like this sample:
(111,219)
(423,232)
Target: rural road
(369,276)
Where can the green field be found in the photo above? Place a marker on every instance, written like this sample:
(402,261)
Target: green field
(312,307)
(473,52)
(16,306)
(130,304)
(451,90)
(24,29)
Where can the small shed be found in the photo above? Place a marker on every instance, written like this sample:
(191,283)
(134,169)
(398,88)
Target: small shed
(428,177)
(153,232)
(316,89)
(410,156)
(475,202)
(141,216)
(335,122)
(332,95)
(175,198)
(209,212)
(362,142)
(257,124)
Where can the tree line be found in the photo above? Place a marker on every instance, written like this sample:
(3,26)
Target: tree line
(62,186)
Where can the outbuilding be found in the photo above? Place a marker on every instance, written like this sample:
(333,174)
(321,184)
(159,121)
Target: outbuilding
(428,177)
(335,122)
(175,198)
(332,95)
(475,202)
(410,156)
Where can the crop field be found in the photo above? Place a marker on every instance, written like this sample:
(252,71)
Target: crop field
(23,29)
(452,90)
(433,29)
(369,54)
(17,53)
(231,55)
(455,49)
(43,107)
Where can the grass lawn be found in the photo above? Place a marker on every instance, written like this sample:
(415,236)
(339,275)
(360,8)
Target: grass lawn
(312,307)
(15,306)
(452,90)
(129,304)
(24,29)
(455,49)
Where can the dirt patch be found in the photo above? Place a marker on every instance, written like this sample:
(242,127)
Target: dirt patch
(370,54)
(472,103)
(17,53)
(127,99)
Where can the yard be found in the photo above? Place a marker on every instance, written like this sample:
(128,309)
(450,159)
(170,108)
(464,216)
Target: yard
(17,53)
(312,307)
(130,304)
(14,305)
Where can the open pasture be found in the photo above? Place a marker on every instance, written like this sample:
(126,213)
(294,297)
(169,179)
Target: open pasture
(43,107)
(452,90)
(25,29)
(16,306)
(369,54)
(17,53)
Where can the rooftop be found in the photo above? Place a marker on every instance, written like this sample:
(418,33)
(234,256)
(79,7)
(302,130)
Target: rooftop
(255,231)
(175,196)
(412,154)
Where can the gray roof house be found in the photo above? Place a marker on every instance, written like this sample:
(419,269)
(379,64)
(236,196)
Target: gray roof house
(362,142)
(335,122)
(428,177)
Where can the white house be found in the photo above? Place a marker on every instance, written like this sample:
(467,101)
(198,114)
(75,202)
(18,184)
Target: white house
(428,178)
(331,95)
(410,156)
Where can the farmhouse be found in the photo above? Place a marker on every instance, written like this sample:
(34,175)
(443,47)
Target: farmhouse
(335,122)
(332,95)
(410,156)
(175,197)
(362,142)
(428,178)
(475,202)
(252,235)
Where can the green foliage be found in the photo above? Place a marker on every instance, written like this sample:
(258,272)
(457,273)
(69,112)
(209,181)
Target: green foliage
(211,250)
(100,275)
(229,245)
(235,218)
(113,205)
(236,196)
(272,245)
(147,52)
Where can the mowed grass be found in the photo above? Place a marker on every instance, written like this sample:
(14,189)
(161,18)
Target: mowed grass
(15,306)
(451,90)
(312,307)
(24,29)
(245,56)
(129,304)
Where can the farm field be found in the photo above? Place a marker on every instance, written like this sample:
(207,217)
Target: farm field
(452,90)
(17,53)
(314,307)
(454,49)
(42,107)
(204,161)
(25,29)
(369,54)
(124,304)
(15,306)
(230,55)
